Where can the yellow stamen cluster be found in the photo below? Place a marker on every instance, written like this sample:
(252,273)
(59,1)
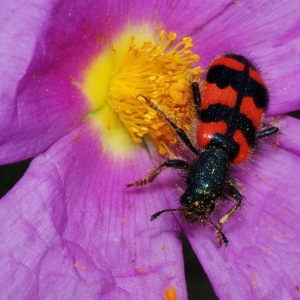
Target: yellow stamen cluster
(162,74)
(117,82)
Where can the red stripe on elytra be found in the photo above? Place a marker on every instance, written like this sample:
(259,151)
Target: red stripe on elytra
(244,147)
(256,76)
(207,130)
(229,63)
(215,95)
(249,109)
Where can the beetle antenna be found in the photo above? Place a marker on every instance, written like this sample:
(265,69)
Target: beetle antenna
(224,238)
(182,135)
(156,215)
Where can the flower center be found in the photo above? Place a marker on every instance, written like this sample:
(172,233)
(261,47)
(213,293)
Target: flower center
(160,71)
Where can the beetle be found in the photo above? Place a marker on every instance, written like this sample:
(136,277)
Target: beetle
(230,114)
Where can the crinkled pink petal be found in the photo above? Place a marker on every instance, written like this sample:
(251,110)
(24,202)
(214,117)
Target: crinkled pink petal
(66,229)
(289,137)
(21,23)
(261,260)
(267,32)
(46,103)
(71,229)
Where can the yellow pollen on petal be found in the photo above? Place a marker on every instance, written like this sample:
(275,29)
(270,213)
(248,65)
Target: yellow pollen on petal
(143,65)
(170,294)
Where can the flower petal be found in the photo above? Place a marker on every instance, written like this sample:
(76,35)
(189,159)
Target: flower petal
(21,25)
(69,228)
(263,234)
(46,103)
(265,31)
(19,30)
(289,138)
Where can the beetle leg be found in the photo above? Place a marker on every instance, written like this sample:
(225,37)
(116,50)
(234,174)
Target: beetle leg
(267,132)
(171,163)
(234,194)
(196,97)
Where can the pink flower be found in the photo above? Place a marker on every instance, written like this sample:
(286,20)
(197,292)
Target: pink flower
(69,228)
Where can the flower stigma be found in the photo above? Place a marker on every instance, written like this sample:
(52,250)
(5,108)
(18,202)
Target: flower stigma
(136,66)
